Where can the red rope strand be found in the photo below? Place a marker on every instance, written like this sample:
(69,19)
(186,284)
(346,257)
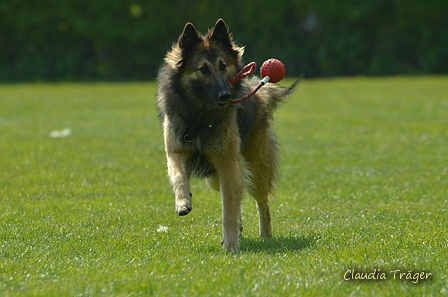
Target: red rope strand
(245,71)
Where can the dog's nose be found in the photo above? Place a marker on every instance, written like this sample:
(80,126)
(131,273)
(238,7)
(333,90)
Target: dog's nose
(224,96)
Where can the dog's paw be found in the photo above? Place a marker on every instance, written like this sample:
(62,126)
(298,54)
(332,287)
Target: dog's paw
(266,235)
(183,206)
(230,245)
(183,209)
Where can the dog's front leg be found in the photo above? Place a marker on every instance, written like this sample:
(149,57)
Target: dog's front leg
(179,176)
(231,180)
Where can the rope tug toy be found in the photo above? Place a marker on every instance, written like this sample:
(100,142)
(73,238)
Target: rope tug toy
(271,70)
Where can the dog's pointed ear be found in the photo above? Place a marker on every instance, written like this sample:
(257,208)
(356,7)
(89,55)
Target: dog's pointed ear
(221,34)
(188,39)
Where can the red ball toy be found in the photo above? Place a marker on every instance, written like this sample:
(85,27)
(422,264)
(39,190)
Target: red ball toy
(274,69)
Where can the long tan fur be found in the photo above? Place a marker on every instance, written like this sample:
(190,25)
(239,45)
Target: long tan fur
(232,146)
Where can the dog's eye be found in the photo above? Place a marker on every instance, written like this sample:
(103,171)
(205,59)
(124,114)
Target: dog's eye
(223,67)
(204,70)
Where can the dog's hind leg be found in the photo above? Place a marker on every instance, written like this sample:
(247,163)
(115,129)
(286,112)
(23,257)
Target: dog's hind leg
(264,214)
(263,166)
(260,189)
(213,182)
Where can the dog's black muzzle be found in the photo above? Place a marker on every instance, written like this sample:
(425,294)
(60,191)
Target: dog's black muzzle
(223,97)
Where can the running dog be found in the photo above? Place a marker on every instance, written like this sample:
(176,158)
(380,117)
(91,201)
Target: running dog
(231,145)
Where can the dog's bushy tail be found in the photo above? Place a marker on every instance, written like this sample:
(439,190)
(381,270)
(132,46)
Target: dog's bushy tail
(276,94)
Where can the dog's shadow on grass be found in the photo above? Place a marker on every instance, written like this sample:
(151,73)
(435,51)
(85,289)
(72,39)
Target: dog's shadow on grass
(279,244)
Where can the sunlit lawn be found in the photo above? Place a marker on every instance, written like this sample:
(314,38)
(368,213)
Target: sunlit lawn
(363,187)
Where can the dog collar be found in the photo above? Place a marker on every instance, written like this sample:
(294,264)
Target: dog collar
(193,130)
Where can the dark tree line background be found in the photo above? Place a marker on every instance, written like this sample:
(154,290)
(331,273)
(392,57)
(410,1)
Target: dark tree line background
(56,40)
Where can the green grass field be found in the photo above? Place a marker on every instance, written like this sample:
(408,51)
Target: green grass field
(363,186)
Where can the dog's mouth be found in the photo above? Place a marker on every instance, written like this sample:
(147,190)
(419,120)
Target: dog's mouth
(223,97)
(221,103)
